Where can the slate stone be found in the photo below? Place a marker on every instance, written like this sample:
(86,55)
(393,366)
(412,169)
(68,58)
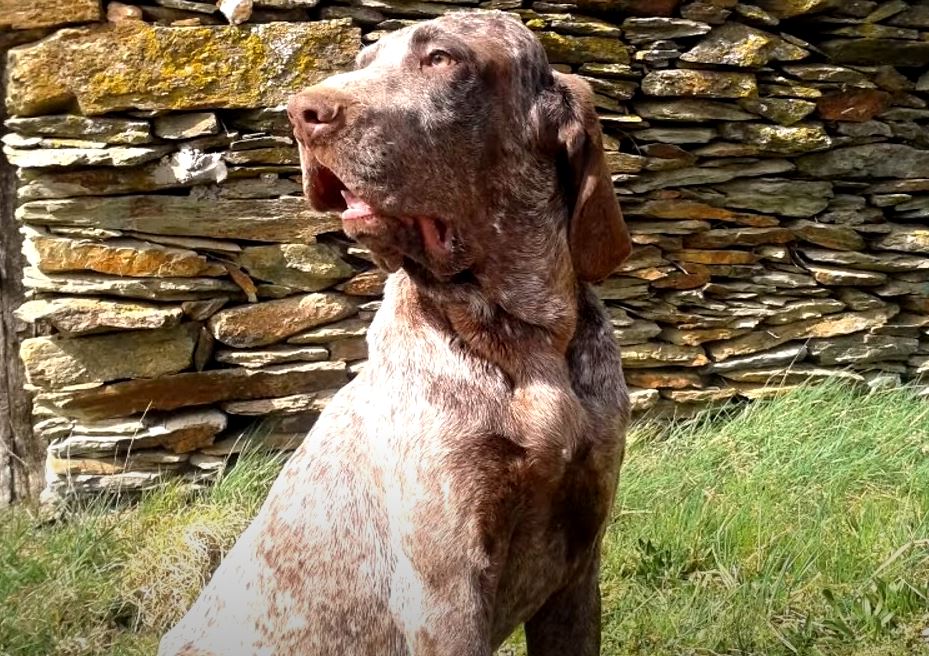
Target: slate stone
(160,289)
(734,44)
(253,358)
(854,105)
(410,8)
(663,378)
(87,316)
(568,23)
(73,157)
(796,374)
(637,332)
(261,324)
(801,310)
(183,390)
(697,83)
(366,283)
(705,11)
(688,110)
(179,432)
(833,325)
(564,49)
(677,135)
(616,89)
(879,160)
(59,362)
(696,337)
(344,329)
(796,198)
(305,267)
(283,219)
(112,67)
(186,126)
(906,238)
(861,349)
(700,175)
(181,169)
(120,257)
(709,395)
(48,13)
(828,73)
(833,276)
(657,354)
(791,8)
(108,130)
(827,236)
(778,139)
(294,404)
(644,30)
(877,51)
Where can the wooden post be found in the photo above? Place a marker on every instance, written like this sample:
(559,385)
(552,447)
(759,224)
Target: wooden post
(21,453)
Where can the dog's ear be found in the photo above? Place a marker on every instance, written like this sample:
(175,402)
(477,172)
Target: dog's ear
(597,234)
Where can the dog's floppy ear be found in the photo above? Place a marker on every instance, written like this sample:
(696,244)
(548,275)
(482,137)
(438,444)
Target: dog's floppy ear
(597,234)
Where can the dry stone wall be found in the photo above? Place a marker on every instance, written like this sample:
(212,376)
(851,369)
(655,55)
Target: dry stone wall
(772,160)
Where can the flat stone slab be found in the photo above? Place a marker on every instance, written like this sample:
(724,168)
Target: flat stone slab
(564,49)
(734,44)
(274,355)
(179,432)
(294,404)
(68,157)
(120,257)
(58,361)
(834,325)
(306,267)
(261,324)
(161,289)
(72,126)
(86,316)
(196,389)
(878,160)
(47,13)
(279,219)
(708,84)
(134,65)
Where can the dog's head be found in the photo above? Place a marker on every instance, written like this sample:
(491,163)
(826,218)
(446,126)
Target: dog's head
(444,129)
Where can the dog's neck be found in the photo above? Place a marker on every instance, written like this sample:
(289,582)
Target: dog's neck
(517,307)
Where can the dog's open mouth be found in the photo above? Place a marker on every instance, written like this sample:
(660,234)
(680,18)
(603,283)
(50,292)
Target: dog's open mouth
(361,218)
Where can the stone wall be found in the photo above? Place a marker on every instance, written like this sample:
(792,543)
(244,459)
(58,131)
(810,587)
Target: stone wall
(772,160)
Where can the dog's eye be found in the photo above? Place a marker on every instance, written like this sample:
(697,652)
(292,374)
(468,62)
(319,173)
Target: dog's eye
(438,59)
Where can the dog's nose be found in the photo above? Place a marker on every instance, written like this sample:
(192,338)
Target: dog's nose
(315,113)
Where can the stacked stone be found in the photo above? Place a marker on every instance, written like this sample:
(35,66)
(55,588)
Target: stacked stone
(772,161)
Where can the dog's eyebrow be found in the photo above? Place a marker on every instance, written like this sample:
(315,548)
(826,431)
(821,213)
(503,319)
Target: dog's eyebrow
(430,35)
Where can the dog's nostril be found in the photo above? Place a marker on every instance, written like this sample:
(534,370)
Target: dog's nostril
(311,116)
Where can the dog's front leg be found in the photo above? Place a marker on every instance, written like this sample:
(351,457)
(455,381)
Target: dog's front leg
(569,622)
(439,607)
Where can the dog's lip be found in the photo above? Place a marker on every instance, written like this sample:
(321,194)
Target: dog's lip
(355,207)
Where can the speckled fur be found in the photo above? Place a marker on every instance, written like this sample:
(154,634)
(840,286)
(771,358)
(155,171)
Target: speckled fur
(460,485)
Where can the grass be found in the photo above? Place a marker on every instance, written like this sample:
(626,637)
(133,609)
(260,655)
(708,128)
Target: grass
(790,527)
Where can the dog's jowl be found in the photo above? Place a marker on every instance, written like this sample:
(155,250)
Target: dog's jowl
(459,486)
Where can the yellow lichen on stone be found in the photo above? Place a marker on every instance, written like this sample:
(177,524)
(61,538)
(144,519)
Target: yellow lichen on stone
(20,15)
(132,65)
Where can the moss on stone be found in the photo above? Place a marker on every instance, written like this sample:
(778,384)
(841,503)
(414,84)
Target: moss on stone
(132,65)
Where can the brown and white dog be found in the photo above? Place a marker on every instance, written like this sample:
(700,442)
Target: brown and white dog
(460,485)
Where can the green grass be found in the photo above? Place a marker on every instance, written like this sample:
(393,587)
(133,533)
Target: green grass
(794,526)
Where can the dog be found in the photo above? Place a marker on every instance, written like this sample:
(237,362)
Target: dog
(460,485)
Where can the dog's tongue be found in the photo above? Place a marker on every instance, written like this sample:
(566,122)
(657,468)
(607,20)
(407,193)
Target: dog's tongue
(355,207)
